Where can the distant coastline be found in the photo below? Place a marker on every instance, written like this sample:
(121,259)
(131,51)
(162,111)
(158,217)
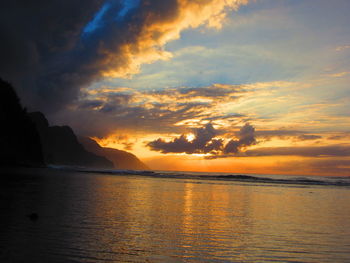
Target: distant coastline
(27,140)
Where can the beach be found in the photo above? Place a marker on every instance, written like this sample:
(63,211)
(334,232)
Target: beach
(99,217)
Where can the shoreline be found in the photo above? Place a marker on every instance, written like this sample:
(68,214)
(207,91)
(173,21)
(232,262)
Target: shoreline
(343,182)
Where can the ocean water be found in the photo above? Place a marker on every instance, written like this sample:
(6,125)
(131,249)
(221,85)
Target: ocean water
(125,216)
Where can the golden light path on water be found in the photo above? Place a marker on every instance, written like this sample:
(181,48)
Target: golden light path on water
(189,219)
(100,218)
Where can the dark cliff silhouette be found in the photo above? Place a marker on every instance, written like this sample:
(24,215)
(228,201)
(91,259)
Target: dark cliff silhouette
(26,139)
(121,159)
(19,138)
(61,146)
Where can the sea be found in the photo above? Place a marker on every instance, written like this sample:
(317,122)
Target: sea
(67,214)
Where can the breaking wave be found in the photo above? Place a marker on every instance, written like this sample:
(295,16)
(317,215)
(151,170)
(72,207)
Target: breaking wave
(255,178)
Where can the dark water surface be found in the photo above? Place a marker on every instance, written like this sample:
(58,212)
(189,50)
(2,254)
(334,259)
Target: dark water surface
(95,217)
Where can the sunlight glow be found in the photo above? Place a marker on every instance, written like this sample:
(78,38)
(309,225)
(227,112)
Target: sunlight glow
(190,137)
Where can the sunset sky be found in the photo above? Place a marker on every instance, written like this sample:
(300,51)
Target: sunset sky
(258,86)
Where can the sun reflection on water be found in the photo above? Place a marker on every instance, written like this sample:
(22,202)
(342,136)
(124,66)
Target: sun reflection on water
(94,217)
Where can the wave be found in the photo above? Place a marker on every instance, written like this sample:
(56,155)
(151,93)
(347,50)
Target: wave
(265,179)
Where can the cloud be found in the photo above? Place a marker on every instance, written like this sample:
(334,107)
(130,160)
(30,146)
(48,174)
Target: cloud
(340,136)
(37,43)
(124,140)
(50,58)
(205,142)
(91,104)
(342,48)
(339,74)
(295,135)
(168,110)
(306,137)
(306,151)
(246,137)
(221,92)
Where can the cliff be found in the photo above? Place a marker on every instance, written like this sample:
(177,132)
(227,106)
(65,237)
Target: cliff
(61,146)
(19,138)
(121,159)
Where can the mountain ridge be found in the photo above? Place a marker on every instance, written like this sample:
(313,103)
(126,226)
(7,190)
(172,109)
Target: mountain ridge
(121,159)
(27,139)
(61,146)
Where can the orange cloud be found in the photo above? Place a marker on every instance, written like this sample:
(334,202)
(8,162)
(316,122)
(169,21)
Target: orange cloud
(158,29)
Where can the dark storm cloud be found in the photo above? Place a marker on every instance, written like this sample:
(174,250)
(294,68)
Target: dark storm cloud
(48,53)
(205,142)
(36,38)
(43,52)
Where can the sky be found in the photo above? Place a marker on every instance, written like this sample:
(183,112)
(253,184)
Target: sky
(240,86)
